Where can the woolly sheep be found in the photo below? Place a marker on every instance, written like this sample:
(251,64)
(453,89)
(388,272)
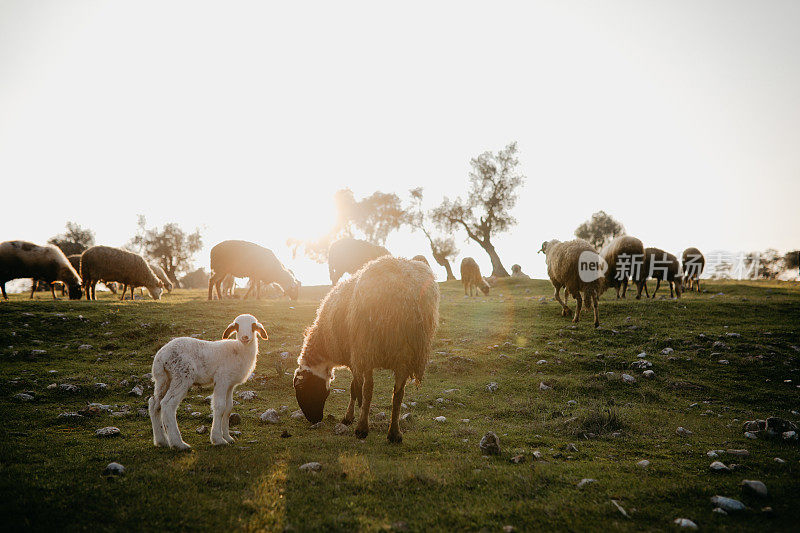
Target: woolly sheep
(576,266)
(22,259)
(349,255)
(623,256)
(162,276)
(471,276)
(186,361)
(516,272)
(104,263)
(662,266)
(384,316)
(75,261)
(244,259)
(693,265)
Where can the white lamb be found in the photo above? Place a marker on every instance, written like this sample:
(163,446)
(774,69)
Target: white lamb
(186,361)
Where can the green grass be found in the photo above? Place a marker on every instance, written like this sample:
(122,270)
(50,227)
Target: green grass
(51,468)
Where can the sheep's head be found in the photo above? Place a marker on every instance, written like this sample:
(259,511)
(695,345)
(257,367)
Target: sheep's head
(246,328)
(543,249)
(311,391)
(75,291)
(485,286)
(155,291)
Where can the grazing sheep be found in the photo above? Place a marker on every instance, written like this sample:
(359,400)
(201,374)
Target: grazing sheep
(693,265)
(106,264)
(421,259)
(516,272)
(384,316)
(624,257)
(349,255)
(75,261)
(228,286)
(161,275)
(662,266)
(22,259)
(187,361)
(244,259)
(576,266)
(471,276)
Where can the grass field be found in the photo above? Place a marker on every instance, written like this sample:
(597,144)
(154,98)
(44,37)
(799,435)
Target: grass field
(51,468)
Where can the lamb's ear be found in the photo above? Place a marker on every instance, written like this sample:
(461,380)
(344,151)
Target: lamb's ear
(258,328)
(228,332)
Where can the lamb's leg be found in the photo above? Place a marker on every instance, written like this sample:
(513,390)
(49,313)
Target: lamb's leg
(219,407)
(355,395)
(397,399)
(658,284)
(579,302)
(159,436)
(362,429)
(178,388)
(226,418)
(565,311)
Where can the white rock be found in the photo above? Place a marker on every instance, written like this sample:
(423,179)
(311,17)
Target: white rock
(270,416)
(754,487)
(572,402)
(737,453)
(85,347)
(719,510)
(683,432)
(52,386)
(750,435)
(136,391)
(340,429)
(246,395)
(789,435)
(541,362)
(586,481)
(109,431)
(727,504)
(297,415)
(649,374)
(68,387)
(780,461)
(490,444)
(642,355)
(440,419)
(685,522)
(718,466)
(311,467)
(644,463)
(627,378)
(492,387)
(667,351)
(100,386)
(114,469)
(542,386)
(22,397)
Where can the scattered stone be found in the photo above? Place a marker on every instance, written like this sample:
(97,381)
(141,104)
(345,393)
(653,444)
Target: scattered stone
(235,419)
(492,387)
(619,508)
(642,355)
(517,459)
(297,415)
(720,345)
(52,386)
(85,347)
(542,386)
(246,395)
(586,481)
(727,504)
(270,416)
(380,416)
(68,387)
(109,431)
(750,435)
(627,378)
(720,511)
(23,397)
(718,466)
(490,444)
(641,364)
(685,522)
(440,419)
(754,488)
(201,430)
(340,429)
(789,435)
(572,402)
(649,374)
(724,362)
(70,414)
(114,469)
(38,352)
(713,454)
(667,351)
(644,463)
(537,455)
(137,391)
(541,362)
(317,425)
(780,461)
(570,448)
(196,414)
(100,386)
(311,467)
(683,432)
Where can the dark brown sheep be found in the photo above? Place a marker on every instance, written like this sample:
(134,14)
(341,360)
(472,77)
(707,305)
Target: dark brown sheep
(22,259)
(244,259)
(471,276)
(693,265)
(106,264)
(662,266)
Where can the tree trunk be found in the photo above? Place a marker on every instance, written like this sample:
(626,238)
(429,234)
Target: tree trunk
(450,275)
(498,270)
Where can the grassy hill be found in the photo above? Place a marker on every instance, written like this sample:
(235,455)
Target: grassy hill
(590,425)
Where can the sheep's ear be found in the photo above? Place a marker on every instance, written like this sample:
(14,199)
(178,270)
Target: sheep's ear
(258,328)
(228,332)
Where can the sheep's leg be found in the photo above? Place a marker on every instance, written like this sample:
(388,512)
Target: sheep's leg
(397,399)
(355,396)
(94,290)
(212,281)
(624,286)
(671,293)
(362,429)
(53,291)
(178,388)
(658,284)
(219,407)
(154,404)
(595,307)
(565,311)
(249,290)
(33,287)
(579,305)
(3,288)
(465,288)
(226,418)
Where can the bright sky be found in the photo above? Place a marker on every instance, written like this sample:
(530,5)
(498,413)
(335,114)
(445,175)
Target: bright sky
(681,119)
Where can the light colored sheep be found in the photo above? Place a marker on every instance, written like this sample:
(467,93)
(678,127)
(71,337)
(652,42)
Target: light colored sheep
(471,277)
(244,259)
(162,276)
(576,266)
(384,316)
(693,265)
(186,361)
(624,257)
(106,264)
(22,259)
(348,255)
(662,266)
(421,259)
(516,272)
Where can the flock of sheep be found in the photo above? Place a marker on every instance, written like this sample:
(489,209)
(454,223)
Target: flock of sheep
(354,326)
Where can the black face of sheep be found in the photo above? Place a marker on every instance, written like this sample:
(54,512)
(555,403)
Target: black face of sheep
(311,392)
(75,292)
